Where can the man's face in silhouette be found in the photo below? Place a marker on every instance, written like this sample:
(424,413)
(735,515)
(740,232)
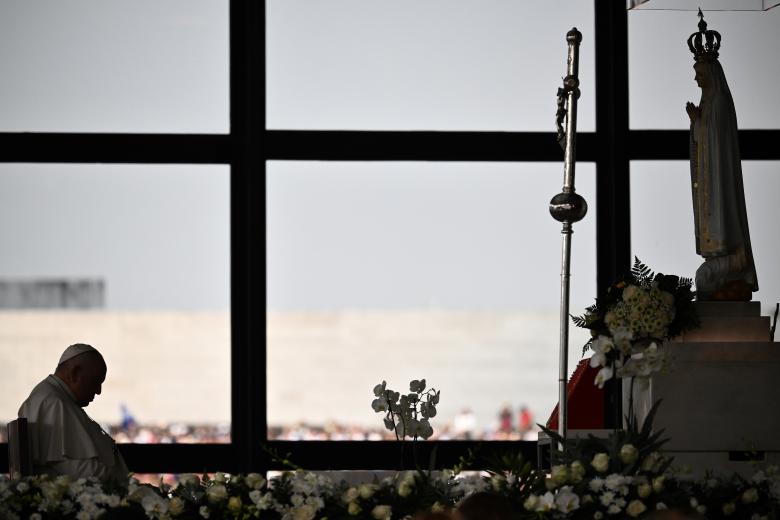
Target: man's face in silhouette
(84,375)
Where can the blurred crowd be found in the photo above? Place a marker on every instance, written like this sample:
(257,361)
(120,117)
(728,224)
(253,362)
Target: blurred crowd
(509,424)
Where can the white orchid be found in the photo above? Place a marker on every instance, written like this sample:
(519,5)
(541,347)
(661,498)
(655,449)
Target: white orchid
(566,500)
(603,375)
(407,415)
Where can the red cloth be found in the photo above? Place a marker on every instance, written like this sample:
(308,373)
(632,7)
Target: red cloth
(585,400)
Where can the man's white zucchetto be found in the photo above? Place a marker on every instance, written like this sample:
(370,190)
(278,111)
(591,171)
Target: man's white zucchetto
(75,350)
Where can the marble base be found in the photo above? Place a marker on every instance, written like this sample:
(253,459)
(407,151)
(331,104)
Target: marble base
(717,396)
(721,395)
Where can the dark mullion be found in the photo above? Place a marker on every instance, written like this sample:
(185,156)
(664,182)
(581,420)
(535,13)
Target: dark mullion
(386,455)
(114,148)
(338,145)
(648,145)
(311,455)
(613,216)
(180,458)
(247,191)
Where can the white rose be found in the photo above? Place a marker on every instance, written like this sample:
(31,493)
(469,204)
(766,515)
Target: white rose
(354,509)
(437,508)
(644,490)
(628,453)
(255,481)
(216,493)
(636,508)
(404,489)
(234,505)
(22,487)
(203,511)
(577,471)
(600,462)
(175,506)
(220,477)
(382,512)
(189,480)
(367,491)
(658,484)
(305,512)
(750,496)
(559,474)
(350,495)
(531,502)
(613,509)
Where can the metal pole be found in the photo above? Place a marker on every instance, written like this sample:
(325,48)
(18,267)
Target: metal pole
(567,207)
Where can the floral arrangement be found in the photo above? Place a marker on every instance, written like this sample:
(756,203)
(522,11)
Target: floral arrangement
(295,495)
(608,480)
(621,476)
(631,320)
(407,415)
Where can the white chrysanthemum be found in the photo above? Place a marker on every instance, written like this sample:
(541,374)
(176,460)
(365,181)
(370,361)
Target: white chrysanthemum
(596,484)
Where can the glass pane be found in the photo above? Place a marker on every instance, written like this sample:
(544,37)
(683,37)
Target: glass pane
(436,65)
(399,271)
(133,260)
(661,66)
(662,232)
(131,66)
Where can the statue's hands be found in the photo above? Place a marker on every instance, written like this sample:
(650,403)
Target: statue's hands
(693,110)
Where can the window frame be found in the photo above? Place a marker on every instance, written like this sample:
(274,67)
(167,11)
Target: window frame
(247,148)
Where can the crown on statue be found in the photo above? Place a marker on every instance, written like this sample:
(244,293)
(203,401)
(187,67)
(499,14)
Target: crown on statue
(704,44)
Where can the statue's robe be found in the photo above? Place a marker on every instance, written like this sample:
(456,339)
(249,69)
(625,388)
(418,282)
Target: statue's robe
(720,216)
(65,441)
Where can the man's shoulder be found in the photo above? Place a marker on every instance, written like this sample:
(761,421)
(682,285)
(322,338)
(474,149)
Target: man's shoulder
(45,396)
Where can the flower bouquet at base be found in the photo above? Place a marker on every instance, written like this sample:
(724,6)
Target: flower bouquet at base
(631,321)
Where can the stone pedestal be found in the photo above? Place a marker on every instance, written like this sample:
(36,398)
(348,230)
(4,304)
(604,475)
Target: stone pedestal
(721,398)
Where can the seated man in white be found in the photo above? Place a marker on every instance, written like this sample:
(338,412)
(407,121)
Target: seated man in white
(65,441)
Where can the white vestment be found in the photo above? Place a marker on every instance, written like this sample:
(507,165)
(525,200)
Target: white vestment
(65,441)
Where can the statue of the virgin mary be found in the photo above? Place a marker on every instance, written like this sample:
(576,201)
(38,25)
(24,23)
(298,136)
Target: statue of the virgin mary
(722,236)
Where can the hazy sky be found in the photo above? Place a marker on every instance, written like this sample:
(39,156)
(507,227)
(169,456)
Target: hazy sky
(464,235)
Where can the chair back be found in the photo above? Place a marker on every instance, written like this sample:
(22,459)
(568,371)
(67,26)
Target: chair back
(19,448)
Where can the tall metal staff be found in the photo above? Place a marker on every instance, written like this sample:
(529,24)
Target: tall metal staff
(567,207)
